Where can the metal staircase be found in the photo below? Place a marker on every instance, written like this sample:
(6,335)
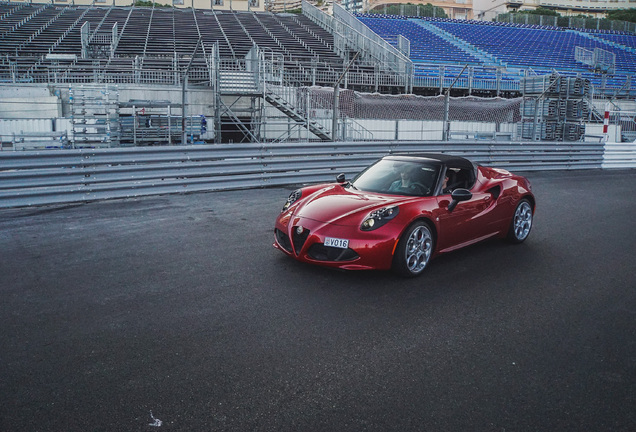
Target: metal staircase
(260,77)
(292,112)
(238,83)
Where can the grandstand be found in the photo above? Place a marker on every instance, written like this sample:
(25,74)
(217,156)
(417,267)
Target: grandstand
(159,38)
(517,48)
(154,35)
(243,69)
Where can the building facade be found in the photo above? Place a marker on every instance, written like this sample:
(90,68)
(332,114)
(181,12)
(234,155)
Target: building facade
(457,9)
(237,5)
(488,9)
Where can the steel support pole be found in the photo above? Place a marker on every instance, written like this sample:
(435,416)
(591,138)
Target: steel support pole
(184,80)
(336,100)
(446,130)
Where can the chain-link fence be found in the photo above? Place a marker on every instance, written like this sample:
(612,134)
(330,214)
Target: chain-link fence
(567,21)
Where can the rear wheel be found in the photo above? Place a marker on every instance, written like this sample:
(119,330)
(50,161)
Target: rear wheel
(414,250)
(521,222)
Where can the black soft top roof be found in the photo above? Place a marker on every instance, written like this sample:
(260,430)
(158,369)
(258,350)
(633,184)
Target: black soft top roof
(446,159)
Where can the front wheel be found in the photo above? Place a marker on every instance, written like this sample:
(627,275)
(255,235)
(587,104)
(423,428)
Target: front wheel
(414,250)
(521,222)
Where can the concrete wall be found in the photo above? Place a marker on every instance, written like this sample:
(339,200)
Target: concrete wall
(20,102)
(51,104)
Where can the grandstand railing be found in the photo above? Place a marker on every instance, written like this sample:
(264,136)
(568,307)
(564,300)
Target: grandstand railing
(352,36)
(26,69)
(440,76)
(379,49)
(383,73)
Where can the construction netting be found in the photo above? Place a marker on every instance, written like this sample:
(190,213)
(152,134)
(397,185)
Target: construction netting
(357,105)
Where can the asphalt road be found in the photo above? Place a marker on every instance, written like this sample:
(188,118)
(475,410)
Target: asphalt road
(179,306)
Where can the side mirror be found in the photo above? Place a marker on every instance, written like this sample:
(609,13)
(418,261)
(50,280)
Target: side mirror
(458,196)
(340,178)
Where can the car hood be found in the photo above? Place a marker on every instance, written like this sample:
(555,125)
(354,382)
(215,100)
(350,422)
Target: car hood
(337,205)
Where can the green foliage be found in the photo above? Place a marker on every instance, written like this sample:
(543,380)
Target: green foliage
(612,22)
(427,10)
(541,11)
(622,15)
(148,3)
(563,21)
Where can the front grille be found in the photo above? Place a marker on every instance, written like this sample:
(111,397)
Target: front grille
(283,240)
(320,252)
(299,239)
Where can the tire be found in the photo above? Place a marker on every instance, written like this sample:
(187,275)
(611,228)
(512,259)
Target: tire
(521,223)
(414,250)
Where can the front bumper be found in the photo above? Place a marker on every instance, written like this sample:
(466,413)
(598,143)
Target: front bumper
(367,249)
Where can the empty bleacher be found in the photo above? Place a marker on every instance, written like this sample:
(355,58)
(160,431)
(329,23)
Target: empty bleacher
(158,38)
(535,47)
(515,46)
(425,45)
(162,39)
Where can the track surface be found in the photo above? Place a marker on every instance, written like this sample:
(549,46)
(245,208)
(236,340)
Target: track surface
(179,306)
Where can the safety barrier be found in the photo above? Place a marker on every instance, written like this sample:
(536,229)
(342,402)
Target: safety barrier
(619,155)
(65,176)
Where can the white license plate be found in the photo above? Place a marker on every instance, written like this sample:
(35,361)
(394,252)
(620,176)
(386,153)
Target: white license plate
(336,242)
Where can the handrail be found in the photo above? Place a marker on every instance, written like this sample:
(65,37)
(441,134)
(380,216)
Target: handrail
(152,12)
(123,29)
(196,23)
(42,57)
(269,32)
(69,29)
(355,131)
(12,11)
(295,36)
(311,32)
(25,20)
(227,40)
(99,26)
(349,35)
(249,36)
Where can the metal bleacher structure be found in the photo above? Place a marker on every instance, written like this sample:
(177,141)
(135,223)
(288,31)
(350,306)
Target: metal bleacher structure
(504,53)
(253,61)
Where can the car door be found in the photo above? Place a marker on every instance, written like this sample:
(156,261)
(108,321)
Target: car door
(467,222)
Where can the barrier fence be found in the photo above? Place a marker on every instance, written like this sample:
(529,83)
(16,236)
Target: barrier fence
(30,178)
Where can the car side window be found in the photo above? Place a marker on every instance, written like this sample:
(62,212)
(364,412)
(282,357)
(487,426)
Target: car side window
(463,179)
(457,178)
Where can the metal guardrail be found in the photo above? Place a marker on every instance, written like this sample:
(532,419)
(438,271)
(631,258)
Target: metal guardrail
(29,178)
(619,155)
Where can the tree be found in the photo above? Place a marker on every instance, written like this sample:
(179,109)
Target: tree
(541,11)
(622,15)
(427,10)
(148,3)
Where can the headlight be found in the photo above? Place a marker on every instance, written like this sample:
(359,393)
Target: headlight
(377,218)
(293,197)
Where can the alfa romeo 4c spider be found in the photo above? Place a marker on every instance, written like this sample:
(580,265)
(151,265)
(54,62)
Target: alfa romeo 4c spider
(402,211)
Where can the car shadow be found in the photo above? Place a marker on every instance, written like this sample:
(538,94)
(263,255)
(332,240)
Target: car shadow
(470,263)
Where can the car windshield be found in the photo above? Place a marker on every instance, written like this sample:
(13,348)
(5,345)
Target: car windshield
(399,177)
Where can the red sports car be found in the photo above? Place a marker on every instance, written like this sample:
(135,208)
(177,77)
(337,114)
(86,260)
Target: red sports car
(402,211)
